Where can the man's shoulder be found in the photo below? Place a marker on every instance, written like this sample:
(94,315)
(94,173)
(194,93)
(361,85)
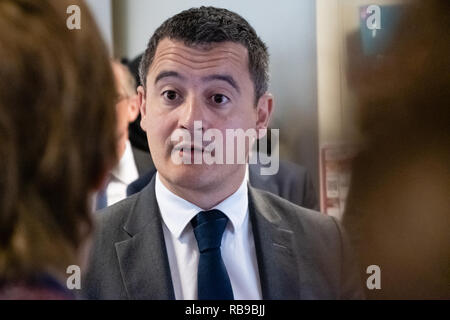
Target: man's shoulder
(286,209)
(293,175)
(103,276)
(320,244)
(116,214)
(288,168)
(294,217)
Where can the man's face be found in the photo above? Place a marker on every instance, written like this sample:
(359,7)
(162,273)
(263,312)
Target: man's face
(187,84)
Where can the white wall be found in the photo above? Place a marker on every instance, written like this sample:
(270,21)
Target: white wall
(102,11)
(287,27)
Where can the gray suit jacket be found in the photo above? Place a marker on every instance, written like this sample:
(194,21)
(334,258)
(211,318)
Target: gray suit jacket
(301,254)
(143,160)
(292,182)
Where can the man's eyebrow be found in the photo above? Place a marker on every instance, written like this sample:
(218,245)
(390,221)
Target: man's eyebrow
(165,74)
(223,77)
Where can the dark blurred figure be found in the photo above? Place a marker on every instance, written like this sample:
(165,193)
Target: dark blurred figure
(57,141)
(137,136)
(398,211)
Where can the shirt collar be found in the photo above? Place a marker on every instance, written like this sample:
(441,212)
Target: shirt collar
(125,170)
(177,212)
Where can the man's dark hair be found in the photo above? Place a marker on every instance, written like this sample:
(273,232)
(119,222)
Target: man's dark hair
(206,25)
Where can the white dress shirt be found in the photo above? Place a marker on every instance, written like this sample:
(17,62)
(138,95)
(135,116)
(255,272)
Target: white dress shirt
(238,247)
(124,173)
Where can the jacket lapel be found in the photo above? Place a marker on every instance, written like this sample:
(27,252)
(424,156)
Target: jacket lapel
(143,258)
(275,251)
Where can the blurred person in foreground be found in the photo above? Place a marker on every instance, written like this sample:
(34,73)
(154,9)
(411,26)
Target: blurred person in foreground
(57,141)
(133,163)
(398,211)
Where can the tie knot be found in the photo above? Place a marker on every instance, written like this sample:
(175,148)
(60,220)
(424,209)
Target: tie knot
(208,229)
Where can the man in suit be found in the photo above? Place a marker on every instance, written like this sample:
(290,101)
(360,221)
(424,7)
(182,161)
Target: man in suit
(133,162)
(199,231)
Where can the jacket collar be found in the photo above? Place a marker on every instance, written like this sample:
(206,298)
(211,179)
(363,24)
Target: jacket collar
(143,258)
(275,250)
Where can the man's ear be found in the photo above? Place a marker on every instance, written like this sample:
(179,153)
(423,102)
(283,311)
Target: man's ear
(141,98)
(133,108)
(264,111)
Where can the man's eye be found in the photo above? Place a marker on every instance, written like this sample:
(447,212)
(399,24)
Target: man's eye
(170,95)
(219,99)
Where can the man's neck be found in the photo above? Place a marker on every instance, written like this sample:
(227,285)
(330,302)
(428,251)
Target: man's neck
(212,196)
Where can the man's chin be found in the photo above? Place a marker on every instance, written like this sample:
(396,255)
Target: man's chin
(192,176)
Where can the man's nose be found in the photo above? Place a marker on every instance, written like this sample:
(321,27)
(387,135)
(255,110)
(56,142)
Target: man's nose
(192,111)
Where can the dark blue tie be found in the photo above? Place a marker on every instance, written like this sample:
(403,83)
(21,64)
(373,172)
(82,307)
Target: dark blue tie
(213,281)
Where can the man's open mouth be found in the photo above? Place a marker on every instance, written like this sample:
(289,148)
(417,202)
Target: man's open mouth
(190,148)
